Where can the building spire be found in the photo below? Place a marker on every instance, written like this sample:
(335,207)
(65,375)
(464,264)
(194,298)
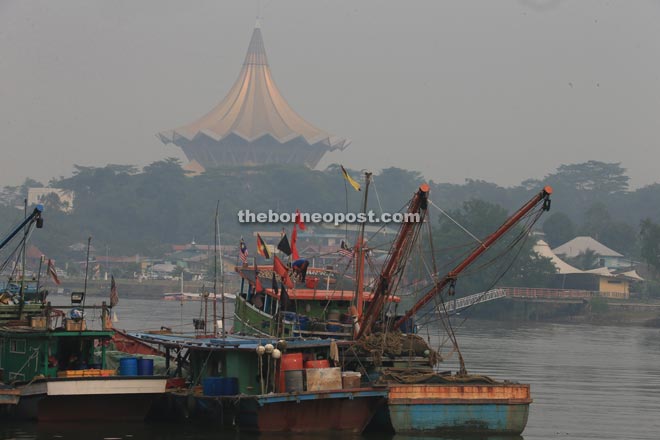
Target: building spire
(257,25)
(253,124)
(256,53)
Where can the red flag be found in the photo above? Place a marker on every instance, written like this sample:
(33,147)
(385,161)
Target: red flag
(299,221)
(262,248)
(294,249)
(257,284)
(53,272)
(282,271)
(114,297)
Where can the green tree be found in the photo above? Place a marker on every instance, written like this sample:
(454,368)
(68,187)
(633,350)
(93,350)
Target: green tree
(602,177)
(586,260)
(558,229)
(650,243)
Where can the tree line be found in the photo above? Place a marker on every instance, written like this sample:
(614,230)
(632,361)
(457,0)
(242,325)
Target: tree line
(131,211)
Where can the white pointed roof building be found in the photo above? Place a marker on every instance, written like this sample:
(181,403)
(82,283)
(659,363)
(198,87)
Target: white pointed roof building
(253,124)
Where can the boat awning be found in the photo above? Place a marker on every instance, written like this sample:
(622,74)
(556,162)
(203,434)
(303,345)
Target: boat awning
(228,343)
(327,295)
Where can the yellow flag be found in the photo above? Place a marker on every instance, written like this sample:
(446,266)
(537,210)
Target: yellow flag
(349,179)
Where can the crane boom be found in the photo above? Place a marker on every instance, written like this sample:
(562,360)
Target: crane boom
(399,252)
(35,216)
(542,196)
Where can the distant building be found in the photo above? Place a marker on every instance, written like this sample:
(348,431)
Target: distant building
(608,282)
(54,197)
(606,256)
(252,125)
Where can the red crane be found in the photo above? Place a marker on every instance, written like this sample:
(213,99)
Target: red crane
(542,197)
(399,253)
(402,247)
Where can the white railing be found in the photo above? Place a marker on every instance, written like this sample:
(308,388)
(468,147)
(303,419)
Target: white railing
(454,305)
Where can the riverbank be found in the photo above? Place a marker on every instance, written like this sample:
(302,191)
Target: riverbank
(598,311)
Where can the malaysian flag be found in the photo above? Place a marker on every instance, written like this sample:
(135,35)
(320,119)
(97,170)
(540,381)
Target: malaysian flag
(345,250)
(243,252)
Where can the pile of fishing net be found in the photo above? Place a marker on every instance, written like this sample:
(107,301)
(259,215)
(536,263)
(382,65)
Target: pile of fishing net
(397,345)
(425,376)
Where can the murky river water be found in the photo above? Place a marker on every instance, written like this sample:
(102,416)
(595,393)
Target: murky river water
(588,382)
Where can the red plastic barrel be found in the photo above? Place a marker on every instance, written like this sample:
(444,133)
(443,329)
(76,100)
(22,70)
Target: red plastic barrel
(322,363)
(290,361)
(311,282)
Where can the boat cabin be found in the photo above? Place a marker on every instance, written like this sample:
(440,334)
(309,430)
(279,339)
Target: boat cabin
(27,353)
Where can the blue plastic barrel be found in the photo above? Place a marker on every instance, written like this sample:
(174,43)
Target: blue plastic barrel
(303,322)
(145,367)
(128,366)
(212,386)
(229,386)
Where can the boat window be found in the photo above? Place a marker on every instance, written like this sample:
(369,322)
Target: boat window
(17,346)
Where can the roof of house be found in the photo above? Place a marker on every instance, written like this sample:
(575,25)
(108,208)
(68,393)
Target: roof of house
(543,249)
(580,245)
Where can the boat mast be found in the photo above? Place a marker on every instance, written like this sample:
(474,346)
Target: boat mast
(89,244)
(216,256)
(400,250)
(359,253)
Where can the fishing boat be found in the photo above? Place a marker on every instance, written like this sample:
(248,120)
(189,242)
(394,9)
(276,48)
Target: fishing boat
(268,385)
(320,306)
(61,375)
(422,399)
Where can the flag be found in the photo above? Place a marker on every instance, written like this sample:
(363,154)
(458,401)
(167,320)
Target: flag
(299,222)
(345,250)
(243,252)
(284,246)
(284,299)
(257,283)
(294,249)
(53,272)
(97,270)
(262,248)
(349,179)
(282,271)
(114,297)
(274,285)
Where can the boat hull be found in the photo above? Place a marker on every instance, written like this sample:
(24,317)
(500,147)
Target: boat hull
(90,399)
(439,409)
(309,412)
(9,396)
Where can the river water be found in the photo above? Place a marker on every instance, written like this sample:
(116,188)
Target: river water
(588,382)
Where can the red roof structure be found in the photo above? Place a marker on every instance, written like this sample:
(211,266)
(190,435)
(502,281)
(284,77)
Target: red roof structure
(253,124)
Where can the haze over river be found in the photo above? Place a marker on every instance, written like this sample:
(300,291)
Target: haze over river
(588,382)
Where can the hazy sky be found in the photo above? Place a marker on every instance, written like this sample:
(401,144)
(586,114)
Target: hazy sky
(500,90)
